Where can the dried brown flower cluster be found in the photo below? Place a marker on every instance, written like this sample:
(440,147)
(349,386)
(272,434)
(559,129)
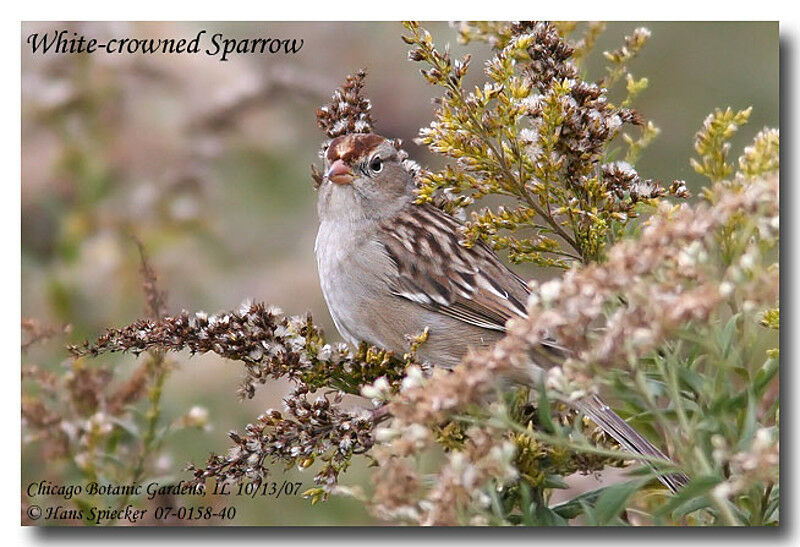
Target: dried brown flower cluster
(312,430)
(622,180)
(459,486)
(63,415)
(248,334)
(270,344)
(348,111)
(668,277)
(549,54)
(484,457)
(488,462)
(84,414)
(536,133)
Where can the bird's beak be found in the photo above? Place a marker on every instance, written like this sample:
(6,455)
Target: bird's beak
(340,173)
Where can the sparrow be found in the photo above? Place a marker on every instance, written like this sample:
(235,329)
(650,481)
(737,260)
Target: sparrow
(389,268)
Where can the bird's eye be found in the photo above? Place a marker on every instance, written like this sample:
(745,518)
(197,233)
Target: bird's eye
(376,164)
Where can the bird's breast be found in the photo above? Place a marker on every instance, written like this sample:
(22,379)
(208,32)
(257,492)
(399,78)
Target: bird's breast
(351,268)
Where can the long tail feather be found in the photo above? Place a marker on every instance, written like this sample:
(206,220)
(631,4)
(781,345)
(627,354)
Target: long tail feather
(549,354)
(630,439)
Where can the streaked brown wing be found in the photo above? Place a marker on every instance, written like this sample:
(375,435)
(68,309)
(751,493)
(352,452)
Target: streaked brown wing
(435,271)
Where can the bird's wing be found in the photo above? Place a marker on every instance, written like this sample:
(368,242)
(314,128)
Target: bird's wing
(435,271)
(473,286)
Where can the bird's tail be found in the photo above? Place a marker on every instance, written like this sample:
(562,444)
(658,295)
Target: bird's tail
(550,354)
(630,439)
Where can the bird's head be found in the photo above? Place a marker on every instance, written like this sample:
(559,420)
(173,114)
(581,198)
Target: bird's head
(366,176)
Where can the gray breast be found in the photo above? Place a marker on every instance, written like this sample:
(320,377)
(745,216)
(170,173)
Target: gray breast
(352,269)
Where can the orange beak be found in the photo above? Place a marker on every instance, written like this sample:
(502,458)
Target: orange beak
(340,173)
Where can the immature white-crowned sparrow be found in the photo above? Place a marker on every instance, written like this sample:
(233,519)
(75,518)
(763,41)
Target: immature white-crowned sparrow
(389,268)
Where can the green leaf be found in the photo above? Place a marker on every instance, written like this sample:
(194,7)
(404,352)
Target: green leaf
(588,513)
(773,506)
(691,379)
(497,504)
(726,336)
(764,375)
(697,487)
(750,423)
(574,507)
(691,506)
(613,501)
(526,505)
(548,517)
(555,481)
(543,409)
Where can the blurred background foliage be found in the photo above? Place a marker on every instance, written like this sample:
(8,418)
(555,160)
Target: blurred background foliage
(207,162)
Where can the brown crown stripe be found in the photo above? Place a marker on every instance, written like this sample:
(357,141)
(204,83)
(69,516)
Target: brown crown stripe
(350,147)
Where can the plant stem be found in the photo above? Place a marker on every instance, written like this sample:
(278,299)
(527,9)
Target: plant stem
(158,371)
